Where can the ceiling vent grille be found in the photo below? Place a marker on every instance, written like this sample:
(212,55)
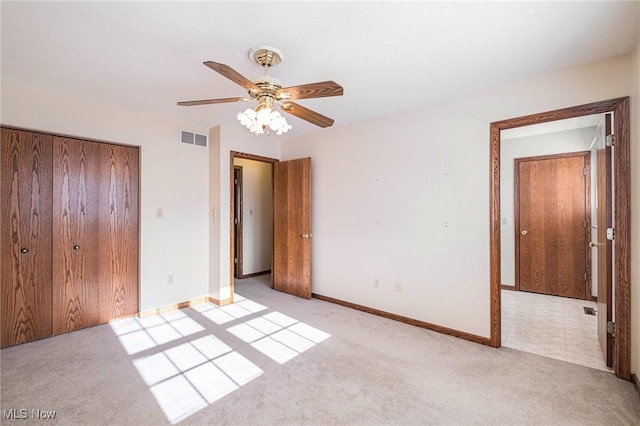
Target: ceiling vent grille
(193,138)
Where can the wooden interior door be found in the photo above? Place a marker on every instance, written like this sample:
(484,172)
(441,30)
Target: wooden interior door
(25,241)
(552,218)
(237,221)
(118,231)
(604,245)
(292,227)
(76,166)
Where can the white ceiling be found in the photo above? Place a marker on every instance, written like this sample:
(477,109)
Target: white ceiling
(388,56)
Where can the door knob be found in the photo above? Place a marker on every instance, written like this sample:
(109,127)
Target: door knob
(524,232)
(592,244)
(76,247)
(307,235)
(24,250)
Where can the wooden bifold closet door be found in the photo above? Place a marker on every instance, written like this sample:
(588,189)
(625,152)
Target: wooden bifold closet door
(76,167)
(69,234)
(118,232)
(25,240)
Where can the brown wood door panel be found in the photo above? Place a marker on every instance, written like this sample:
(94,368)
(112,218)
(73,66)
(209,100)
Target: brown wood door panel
(118,230)
(552,218)
(76,166)
(292,227)
(604,245)
(25,223)
(237,225)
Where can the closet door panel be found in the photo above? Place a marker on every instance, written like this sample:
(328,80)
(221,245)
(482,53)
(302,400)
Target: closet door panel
(118,232)
(76,166)
(25,240)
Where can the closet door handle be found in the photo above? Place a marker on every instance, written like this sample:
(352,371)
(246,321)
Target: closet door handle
(76,247)
(24,250)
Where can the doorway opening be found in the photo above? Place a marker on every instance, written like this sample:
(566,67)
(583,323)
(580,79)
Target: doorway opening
(546,208)
(290,220)
(621,268)
(251,216)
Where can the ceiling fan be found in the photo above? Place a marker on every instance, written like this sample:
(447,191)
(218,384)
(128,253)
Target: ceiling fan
(269,91)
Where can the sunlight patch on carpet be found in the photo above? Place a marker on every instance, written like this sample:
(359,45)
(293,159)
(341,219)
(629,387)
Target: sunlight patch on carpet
(178,399)
(224,314)
(186,378)
(186,375)
(278,336)
(137,335)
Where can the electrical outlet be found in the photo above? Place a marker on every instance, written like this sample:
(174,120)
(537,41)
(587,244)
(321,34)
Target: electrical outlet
(376,283)
(171,279)
(398,286)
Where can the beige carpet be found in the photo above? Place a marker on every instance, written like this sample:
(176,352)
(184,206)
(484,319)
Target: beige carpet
(275,359)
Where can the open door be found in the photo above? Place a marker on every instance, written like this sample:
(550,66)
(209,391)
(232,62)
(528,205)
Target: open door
(237,221)
(292,227)
(604,245)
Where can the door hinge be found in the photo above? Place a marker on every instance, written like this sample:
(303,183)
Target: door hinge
(584,171)
(585,277)
(609,140)
(611,328)
(611,234)
(235,181)
(584,224)
(235,221)
(235,260)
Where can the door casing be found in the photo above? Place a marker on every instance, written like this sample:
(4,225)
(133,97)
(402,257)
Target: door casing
(622,220)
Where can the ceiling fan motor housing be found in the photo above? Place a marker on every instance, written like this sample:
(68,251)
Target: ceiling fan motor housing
(269,86)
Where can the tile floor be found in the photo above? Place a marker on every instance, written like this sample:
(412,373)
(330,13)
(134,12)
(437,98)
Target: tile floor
(555,327)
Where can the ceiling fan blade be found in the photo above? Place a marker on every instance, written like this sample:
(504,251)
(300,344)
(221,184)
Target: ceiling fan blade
(212,101)
(311,90)
(231,74)
(306,114)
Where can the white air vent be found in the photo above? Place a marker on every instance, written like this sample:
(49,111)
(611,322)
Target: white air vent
(193,138)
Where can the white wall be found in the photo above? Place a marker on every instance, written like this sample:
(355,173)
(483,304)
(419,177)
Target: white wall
(225,139)
(257,215)
(635,215)
(545,144)
(406,197)
(173,177)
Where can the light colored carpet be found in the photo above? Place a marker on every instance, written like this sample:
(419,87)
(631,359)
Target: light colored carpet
(369,371)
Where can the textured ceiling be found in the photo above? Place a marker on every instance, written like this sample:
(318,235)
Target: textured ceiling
(388,56)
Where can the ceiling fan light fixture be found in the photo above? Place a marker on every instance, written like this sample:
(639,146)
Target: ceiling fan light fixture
(258,121)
